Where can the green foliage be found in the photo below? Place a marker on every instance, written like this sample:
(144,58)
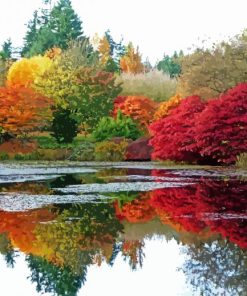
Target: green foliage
(121,126)
(6,51)
(242,160)
(64,127)
(65,23)
(84,152)
(53,26)
(170,65)
(110,151)
(4,156)
(52,279)
(28,156)
(154,84)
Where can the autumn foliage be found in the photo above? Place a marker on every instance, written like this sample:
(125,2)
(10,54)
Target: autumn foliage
(221,128)
(165,107)
(131,61)
(139,108)
(24,71)
(172,134)
(215,131)
(22,110)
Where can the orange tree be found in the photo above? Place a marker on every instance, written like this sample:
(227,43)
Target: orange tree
(22,110)
(131,61)
(141,109)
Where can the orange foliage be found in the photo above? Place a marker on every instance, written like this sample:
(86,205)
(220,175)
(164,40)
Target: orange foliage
(165,107)
(131,61)
(22,110)
(53,53)
(20,228)
(137,211)
(15,146)
(139,108)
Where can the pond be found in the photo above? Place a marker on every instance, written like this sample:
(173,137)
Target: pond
(122,229)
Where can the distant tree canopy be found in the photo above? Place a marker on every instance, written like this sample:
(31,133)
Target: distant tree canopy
(52,27)
(208,73)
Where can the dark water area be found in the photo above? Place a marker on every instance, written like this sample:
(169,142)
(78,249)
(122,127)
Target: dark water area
(122,229)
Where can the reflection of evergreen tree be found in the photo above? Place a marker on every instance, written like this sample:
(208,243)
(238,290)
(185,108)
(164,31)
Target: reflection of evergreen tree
(50,278)
(7,250)
(217,268)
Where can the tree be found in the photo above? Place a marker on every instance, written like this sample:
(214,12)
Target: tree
(210,72)
(31,34)
(221,128)
(6,51)
(52,27)
(25,71)
(131,61)
(64,128)
(22,110)
(170,65)
(172,134)
(139,108)
(65,23)
(104,50)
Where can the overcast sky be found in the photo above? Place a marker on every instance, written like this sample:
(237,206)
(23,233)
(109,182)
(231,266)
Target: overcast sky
(156,26)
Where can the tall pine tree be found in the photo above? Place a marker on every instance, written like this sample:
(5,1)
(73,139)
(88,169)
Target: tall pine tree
(53,26)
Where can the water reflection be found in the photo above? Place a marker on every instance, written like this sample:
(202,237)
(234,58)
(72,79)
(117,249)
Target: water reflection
(205,215)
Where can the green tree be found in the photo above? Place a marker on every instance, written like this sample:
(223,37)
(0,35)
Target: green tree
(65,23)
(50,278)
(52,26)
(31,34)
(6,51)
(170,65)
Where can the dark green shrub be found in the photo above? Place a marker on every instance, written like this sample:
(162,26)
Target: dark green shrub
(64,127)
(121,126)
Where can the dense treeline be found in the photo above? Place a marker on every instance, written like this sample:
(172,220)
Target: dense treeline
(193,105)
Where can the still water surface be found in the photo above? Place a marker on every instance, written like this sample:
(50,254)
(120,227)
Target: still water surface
(122,229)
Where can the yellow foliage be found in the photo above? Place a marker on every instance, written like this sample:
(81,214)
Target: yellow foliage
(165,107)
(104,50)
(25,71)
(131,61)
(110,151)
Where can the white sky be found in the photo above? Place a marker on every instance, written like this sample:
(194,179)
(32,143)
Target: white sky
(156,26)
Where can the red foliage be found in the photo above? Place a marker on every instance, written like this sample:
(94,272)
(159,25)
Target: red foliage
(219,205)
(118,104)
(22,110)
(172,134)
(221,128)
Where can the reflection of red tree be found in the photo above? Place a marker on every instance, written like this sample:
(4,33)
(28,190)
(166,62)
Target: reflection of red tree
(139,210)
(218,205)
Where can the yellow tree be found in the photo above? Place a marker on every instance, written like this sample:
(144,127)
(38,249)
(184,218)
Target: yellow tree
(131,61)
(166,107)
(24,72)
(104,50)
